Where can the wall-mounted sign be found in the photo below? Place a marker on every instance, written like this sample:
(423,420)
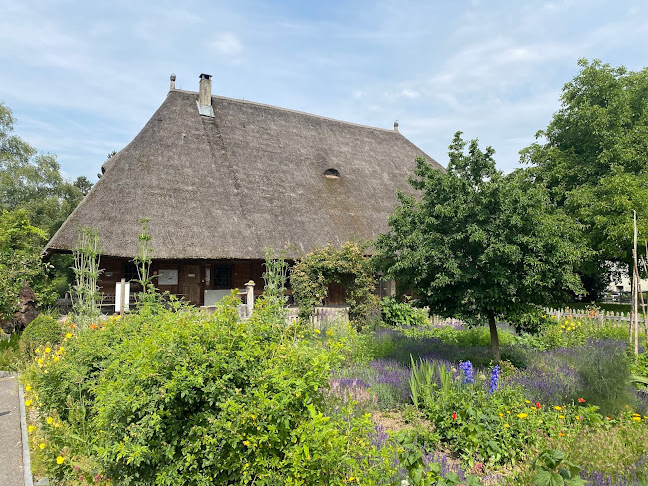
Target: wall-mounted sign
(168,276)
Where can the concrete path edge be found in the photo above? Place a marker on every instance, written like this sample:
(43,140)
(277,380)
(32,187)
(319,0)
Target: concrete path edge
(29,479)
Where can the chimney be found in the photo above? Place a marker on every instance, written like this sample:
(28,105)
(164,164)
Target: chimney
(204,96)
(172,78)
(396,126)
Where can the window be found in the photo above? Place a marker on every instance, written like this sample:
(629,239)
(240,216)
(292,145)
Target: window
(130,271)
(222,276)
(332,174)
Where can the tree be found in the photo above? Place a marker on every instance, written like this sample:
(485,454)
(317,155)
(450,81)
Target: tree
(20,247)
(475,242)
(594,159)
(33,181)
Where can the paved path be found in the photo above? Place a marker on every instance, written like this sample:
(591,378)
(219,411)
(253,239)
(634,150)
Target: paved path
(11,463)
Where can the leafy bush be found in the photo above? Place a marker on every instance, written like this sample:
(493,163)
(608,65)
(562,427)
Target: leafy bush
(182,398)
(9,357)
(605,369)
(614,453)
(531,320)
(42,331)
(397,313)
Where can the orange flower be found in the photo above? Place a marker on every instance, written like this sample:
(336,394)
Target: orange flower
(581,400)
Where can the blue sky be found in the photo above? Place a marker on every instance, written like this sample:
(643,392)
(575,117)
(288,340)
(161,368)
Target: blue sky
(82,78)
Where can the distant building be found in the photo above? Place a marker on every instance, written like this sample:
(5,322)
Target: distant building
(223,179)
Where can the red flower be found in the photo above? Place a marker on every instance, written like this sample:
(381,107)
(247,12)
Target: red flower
(538,405)
(454,415)
(581,400)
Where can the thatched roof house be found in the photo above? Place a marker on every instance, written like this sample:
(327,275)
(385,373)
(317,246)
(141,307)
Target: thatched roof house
(222,179)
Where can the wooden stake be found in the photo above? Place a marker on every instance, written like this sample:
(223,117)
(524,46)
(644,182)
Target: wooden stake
(635,288)
(122,292)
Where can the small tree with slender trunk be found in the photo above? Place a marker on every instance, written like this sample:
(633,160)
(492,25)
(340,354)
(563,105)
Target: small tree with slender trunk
(478,244)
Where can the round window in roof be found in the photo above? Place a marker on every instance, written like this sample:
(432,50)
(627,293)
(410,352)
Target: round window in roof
(332,174)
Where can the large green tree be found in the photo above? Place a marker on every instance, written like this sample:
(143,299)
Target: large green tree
(475,242)
(33,181)
(593,157)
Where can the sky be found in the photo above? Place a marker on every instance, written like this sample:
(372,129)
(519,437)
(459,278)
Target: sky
(83,77)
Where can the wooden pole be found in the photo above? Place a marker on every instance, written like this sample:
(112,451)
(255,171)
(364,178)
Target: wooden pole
(635,288)
(122,292)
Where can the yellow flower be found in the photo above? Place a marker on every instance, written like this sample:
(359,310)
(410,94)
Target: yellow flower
(558,408)
(501,415)
(37,350)
(246,443)
(49,420)
(68,335)
(28,403)
(638,419)
(41,445)
(31,428)
(317,331)
(56,358)
(508,411)
(48,350)
(636,415)
(522,415)
(506,425)
(561,416)
(527,401)
(60,459)
(28,388)
(40,361)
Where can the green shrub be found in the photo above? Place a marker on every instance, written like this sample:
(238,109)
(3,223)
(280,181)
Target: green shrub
(42,331)
(605,369)
(9,354)
(531,320)
(182,398)
(397,313)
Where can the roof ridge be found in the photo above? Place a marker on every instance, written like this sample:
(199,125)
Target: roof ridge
(289,110)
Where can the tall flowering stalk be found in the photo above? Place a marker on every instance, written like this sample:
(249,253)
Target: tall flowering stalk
(494,379)
(467,368)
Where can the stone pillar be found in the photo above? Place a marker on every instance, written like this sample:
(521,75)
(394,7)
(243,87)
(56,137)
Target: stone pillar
(249,291)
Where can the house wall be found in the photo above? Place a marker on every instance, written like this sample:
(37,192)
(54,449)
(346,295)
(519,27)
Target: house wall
(194,277)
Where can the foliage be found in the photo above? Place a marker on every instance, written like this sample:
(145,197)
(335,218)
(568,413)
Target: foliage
(39,333)
(478,242)
(33,182)
(593,157)
(85,292)
(397,313)
(555,470)
(597,372)
(347,267)
(275,277)
(530,320)
(613,453)
(250,395)
(9,354)
(20,246)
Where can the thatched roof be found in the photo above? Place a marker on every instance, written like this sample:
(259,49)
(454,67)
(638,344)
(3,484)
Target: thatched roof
(250,178)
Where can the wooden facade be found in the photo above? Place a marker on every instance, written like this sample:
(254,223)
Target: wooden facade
(195,277)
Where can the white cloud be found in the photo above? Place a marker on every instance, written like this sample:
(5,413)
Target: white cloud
(226,44)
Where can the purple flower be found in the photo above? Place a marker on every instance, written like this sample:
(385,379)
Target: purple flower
(494,379)
(467,368)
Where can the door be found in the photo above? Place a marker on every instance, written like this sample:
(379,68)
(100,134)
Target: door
(190,283)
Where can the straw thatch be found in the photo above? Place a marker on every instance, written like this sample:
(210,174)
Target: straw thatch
(250,178)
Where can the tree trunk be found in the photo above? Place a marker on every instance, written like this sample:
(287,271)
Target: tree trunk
(495,347)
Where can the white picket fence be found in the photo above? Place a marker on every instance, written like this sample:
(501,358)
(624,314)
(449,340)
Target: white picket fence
(600,316)
(322,317)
